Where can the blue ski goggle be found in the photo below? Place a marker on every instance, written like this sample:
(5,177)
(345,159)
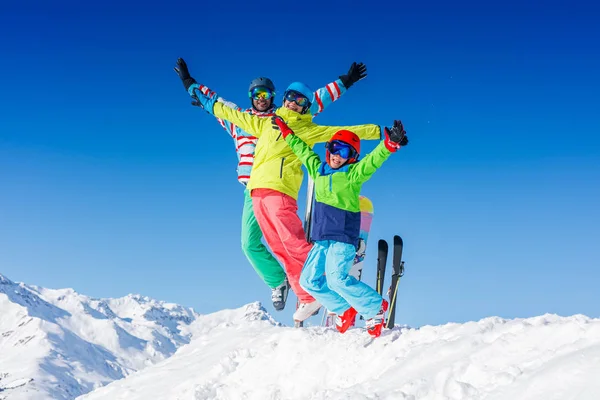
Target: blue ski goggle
(261,92)
(298,98)
(341,149)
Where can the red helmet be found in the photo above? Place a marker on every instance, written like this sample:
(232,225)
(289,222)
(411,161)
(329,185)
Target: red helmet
(349,138)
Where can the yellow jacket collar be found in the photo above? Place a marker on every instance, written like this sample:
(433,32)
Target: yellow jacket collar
(289,115)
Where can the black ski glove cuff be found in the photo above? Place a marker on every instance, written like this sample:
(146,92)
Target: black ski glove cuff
(346,81)
(181,70)
(187,82)
(355,74)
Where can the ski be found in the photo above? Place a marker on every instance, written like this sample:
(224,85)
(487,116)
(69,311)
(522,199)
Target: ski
(397,273)
(382,252)
(310,197)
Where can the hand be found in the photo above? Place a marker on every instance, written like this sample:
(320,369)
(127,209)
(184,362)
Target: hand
(280,125)
(355,74)
(398,134)
(395,137)
(182,71)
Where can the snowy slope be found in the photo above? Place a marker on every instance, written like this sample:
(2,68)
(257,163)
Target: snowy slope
(245,354)
(58,344)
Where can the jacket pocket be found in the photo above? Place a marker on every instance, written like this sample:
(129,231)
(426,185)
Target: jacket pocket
(281,168)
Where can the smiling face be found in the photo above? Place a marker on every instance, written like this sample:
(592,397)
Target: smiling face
(336,161)
(295,101)
(340,153)
(262,104)
(290,105)
(262,98)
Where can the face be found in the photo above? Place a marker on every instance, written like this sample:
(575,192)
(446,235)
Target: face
(295,101)
(262,104)
(291,105)
(339,153)
(336,161)
(262,98)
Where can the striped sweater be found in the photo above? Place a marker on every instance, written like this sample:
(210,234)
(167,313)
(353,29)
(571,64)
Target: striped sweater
(245,143)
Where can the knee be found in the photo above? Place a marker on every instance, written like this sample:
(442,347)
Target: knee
(305,280)
(336,281)
(246,246)
(249,246)
(308,282)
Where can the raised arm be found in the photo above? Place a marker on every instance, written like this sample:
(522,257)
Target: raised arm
(395,137)
(322,133)
(309,158)
(216,106)
(246,121)
(332,91)
(193,88)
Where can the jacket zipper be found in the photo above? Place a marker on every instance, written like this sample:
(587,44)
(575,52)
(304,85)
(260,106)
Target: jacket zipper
(281,169)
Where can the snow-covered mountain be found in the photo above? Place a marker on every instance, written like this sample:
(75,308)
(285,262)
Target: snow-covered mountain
(58,344)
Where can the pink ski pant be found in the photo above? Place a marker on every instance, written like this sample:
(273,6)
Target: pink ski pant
(277,216)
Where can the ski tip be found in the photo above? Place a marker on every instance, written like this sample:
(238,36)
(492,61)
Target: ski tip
(397,239)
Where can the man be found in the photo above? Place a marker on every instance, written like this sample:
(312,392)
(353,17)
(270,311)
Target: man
(261,93)
(277,176)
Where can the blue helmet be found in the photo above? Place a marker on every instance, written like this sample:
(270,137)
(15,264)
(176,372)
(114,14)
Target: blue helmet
(303,90)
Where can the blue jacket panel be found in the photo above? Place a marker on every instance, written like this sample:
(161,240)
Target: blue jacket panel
(332,223)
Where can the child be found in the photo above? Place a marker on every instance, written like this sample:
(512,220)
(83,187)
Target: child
(337,223)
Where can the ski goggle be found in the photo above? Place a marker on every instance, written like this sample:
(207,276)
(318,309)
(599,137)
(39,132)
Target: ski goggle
(297,98)
(261,92)
(342,149)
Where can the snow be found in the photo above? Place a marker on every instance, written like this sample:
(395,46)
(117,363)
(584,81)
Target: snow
(49,351)
(245,354)
(58,344)
(15,384)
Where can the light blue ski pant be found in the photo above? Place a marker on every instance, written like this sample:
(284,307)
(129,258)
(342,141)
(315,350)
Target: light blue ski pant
(325,276)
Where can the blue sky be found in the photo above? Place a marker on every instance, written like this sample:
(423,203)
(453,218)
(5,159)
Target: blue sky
(111,183)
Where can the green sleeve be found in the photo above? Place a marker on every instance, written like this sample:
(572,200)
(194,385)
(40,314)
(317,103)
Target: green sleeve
(309,158)
(321,133)
(365,168)
(248,122)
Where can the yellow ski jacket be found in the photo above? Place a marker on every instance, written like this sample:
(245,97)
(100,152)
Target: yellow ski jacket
(275,164)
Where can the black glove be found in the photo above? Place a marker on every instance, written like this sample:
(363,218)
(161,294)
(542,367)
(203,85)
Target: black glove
(395,137)
(355,74)
(184,74)
(397,134)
